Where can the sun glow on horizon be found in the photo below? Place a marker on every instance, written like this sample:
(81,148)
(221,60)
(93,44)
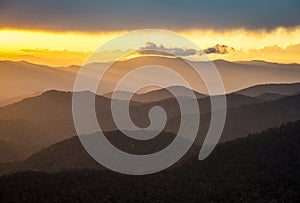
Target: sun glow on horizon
(72,48)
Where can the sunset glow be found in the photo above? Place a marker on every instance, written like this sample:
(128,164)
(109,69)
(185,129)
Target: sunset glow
(280,45)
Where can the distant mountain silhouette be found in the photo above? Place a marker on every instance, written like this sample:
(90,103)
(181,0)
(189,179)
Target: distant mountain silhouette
(10,152)
(156,95)
(252,118)
(270,96)
(261,167)
(12,100)
(40,121)
(43,120)
(282,89)
(47,118)
(265,63)
(70,154)
(41,107)
(19,138)
(25,78)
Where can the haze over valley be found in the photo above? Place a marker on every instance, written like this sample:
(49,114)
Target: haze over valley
(149,101)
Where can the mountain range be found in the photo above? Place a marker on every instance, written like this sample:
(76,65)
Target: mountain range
(23,79)
(261,167)
(27,126)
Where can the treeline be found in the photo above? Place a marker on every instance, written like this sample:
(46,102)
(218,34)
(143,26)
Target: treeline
(262,167)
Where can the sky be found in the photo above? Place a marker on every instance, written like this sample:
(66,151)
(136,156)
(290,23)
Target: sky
(64,32)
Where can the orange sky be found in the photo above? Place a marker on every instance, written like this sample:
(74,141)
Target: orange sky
(280,45)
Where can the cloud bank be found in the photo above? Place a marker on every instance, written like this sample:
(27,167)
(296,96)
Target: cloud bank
(103,15)
(152,48)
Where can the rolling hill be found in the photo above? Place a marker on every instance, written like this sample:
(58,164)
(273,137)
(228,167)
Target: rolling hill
(38,115)
(156,95)
(270,96)
(46,119)
(23,78)
(252,118)
(70,154)
(280,89)
(262,167)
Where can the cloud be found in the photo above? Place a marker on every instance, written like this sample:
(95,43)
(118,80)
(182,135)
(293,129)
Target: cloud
(274,53)
(152,48)
(104,15)
(219,49)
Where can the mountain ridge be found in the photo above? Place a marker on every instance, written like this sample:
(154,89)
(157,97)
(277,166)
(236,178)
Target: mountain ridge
(259,167)
(30,77)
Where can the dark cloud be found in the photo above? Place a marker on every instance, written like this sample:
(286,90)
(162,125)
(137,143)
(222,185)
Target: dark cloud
(219,49)
(101,15)
(152,48)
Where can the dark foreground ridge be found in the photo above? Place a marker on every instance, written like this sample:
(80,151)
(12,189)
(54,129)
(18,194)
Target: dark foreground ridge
(261,167)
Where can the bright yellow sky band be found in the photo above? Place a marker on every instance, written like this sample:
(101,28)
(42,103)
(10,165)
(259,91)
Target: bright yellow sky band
(281,45)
